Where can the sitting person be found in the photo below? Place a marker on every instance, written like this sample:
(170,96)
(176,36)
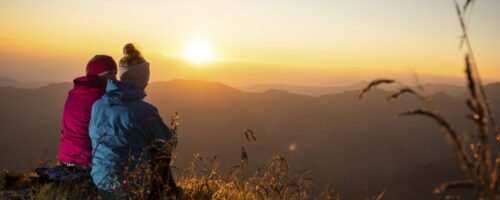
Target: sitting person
(75,149)
(122,128)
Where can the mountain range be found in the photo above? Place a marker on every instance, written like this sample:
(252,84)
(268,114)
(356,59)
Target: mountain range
(454,90)
(357,146)
(8,82)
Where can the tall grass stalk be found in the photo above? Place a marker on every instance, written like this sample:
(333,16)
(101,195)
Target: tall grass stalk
(480,163)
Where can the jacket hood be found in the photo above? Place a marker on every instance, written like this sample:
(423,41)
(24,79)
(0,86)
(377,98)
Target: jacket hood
(118,92)
(90,82)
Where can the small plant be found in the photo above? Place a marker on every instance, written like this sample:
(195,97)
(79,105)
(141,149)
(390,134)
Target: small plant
(273,181)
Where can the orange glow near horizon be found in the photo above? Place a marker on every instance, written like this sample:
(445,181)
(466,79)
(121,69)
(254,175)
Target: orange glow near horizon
(301,42)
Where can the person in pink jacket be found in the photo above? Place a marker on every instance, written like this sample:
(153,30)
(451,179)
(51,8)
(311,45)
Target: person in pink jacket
(75,148)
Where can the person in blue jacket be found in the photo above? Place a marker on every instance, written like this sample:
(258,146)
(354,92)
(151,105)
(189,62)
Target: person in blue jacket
(123,128)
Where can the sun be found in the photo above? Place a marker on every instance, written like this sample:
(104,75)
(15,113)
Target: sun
(198,52)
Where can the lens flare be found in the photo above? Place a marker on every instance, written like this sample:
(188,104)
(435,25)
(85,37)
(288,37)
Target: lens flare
(292,147)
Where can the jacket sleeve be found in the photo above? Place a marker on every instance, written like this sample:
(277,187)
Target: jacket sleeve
(155,130)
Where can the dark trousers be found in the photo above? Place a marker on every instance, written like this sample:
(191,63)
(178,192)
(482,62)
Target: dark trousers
(163,180)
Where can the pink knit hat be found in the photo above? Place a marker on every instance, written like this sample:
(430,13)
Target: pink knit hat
(99,64)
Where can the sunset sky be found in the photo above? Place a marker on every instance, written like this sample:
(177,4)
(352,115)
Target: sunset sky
(307,42)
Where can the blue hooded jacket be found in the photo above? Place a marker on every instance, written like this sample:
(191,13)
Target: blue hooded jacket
(122,125)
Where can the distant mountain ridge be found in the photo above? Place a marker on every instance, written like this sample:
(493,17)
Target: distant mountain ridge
(357,145)
(8,82)
(315,91)
(305,90)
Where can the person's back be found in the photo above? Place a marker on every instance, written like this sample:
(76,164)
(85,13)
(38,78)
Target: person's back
(121,127)
(75,148)
(75,145)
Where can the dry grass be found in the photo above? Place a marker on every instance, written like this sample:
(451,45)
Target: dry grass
(273,181)
(201,179)
(480,163)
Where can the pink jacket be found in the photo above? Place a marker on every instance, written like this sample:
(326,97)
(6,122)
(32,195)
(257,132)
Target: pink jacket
(75,147)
